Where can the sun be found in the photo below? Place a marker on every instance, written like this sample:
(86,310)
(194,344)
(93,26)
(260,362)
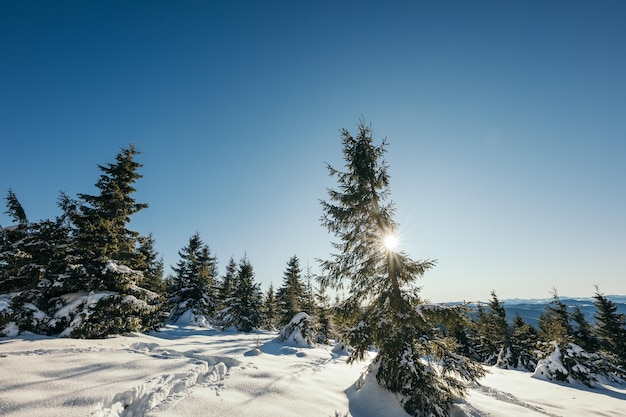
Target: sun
(390,242)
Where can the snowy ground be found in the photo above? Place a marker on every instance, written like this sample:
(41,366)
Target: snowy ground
(191,371)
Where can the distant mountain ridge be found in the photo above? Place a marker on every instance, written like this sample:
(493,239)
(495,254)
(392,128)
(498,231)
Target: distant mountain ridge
(531,309)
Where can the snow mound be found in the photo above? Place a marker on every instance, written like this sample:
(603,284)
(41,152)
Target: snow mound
(368,398)
(298,332)
(189,318)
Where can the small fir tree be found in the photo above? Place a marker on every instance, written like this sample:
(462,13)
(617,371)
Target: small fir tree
(523,344)
(270,309)
(610,328)
(290,295)
(192,287)
(227,287)
(245,304)
(492,334)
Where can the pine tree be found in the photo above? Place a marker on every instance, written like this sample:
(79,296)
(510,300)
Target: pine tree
(583,334)
(246,302)
(226,287)
(307,303)
(33,258)
(324,315)
(561,356)
(492,335)
(290,295)
(270,309)
(610,328)
(101,221)
(415,360)
(105,254)
(554,323)
(523,344)
(152,266)
(192,287)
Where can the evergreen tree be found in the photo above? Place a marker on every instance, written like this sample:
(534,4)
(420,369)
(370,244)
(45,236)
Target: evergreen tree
(324,315)
(492,334)
(227,287)
(554,323)
(192,287)
(152,266)
(270,309)
(561,356)
(290,295)
(307,303)
(245,304)
(523,344)
(106,256)
(33,258)
(610,328)
(415,360)
(583,334)
(101,221)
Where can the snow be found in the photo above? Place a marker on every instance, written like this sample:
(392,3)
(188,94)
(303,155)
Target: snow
(188,370)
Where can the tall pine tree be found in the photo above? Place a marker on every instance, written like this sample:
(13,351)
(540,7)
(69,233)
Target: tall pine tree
(415,360)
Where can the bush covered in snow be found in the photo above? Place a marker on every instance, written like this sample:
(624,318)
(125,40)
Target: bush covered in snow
(572,364)
(298,331)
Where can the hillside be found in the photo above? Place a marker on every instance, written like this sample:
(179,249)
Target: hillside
(185,371)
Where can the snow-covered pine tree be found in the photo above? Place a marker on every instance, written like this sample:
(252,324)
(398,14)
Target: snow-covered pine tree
(492,334)
(523,344)
(307,302)
(33,255)
(152,265)
(247,299)
(610,329)
(270,309)
(101,221)
(324,315)
(105,255)
(192,287)
(225,291)
(415,360)
(562,358)
(290,294)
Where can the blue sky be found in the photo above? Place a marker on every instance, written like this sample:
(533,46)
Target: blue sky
(505,122)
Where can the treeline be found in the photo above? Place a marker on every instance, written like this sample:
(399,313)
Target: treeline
(565,346)
(86,274)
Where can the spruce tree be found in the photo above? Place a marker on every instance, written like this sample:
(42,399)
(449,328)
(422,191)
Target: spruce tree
(523,344)
(246,302)
(192,287)
(415,360)
(555,323)
(562,358)
(101,221)
(106,255)
(324,315)
(610,328)
(270,309)
(33,259)
(290,295)
(492,335)
(152,266)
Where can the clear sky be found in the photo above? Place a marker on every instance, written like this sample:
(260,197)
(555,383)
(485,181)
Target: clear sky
(506,124)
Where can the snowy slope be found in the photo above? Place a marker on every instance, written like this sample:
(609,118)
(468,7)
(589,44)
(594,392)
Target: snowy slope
(191,371)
